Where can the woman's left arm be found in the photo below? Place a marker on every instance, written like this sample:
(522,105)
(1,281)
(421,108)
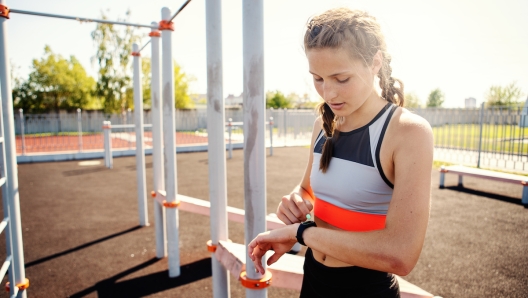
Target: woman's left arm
(396,248)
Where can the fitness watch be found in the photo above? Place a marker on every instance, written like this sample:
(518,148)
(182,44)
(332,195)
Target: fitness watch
(303,226)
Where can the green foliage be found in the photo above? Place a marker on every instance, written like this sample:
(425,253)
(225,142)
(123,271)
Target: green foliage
(277,100)
(181,88)
(146,78)
(114,46)
(412,101)
(504,96)
(54,83)
(435,99)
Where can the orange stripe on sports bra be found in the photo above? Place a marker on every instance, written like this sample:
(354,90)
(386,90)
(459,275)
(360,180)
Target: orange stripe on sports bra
(347,219)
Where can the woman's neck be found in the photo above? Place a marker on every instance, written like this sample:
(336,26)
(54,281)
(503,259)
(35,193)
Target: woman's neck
(364,114)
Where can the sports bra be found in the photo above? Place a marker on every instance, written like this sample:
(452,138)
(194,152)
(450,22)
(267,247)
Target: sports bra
(354,194)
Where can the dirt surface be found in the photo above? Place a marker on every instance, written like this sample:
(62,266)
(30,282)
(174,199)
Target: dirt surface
(82,239)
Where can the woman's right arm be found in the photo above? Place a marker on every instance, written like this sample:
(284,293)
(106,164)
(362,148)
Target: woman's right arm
(295,206)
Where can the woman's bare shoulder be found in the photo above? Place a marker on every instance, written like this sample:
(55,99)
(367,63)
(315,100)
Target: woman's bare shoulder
(411,124)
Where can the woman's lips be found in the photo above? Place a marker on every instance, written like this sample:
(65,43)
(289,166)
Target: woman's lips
(336,106)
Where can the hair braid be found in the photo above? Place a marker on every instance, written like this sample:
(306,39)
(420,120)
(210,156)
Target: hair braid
(331,134)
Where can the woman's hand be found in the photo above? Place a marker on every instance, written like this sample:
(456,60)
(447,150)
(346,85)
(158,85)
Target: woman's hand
(280,241)
(293,208)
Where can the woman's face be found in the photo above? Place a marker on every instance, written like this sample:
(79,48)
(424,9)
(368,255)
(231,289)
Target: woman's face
(343,82)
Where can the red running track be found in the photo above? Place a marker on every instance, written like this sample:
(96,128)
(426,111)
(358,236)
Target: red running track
(41,144)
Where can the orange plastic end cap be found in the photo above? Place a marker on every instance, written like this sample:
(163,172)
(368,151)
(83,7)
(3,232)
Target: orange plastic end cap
(210,246)
(21,286)
(443,171)
(524,182)
(153,194)
(154,34)
(164,25)
(4,11)
(136,54)
(253,284)
(174,204)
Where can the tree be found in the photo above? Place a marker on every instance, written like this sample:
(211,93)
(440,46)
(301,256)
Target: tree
(181,88)
(54,83)
(277,100)
(114,48)
(181,85)
(435,99)
(509,95)
(412,101)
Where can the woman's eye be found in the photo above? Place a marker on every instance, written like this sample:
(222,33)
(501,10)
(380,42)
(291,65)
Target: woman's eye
(318,79)
(343,81)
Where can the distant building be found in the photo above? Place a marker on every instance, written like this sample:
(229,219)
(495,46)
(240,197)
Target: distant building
(470,102)
(232,100)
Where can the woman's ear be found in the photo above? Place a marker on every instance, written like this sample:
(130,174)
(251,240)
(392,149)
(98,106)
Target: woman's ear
(377,62)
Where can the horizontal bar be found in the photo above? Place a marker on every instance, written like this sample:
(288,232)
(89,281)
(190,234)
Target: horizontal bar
(5,266)
(144,46)
(122,126)
(203,207)
(41,14)
(2,181)
(3,224)
(128,125)
(179,10)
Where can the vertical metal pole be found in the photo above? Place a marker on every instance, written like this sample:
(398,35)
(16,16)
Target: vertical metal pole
(271,135)
(79,129)
(140,144)
(107,135)
(10,192)
(169,128)
(230,131)
(254,131)
(481,120)
(22,128)
(216,145)
(157,143)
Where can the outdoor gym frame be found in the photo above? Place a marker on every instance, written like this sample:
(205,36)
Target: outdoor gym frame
(167,201)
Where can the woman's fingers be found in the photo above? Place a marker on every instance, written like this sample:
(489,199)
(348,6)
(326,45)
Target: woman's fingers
(274,258)
(286,215)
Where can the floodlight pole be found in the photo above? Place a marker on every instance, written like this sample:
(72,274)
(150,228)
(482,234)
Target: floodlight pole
(254,132)
(216,147)
(169,129)
(140,147)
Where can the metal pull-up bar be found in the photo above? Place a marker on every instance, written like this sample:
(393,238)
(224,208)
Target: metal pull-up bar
(88,20)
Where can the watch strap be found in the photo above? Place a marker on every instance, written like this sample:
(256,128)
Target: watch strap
(303,226)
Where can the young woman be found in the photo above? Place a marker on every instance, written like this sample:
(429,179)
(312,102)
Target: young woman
(368,179)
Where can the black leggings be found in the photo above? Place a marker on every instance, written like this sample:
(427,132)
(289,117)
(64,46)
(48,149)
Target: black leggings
(322,281)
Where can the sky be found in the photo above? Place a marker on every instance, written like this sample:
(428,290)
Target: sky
(462,47)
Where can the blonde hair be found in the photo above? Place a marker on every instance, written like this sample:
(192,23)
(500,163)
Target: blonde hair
(360,33)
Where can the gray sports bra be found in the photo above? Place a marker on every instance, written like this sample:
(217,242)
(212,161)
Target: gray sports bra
(354,179)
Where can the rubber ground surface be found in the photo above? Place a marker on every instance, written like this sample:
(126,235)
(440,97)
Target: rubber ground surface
(82,239)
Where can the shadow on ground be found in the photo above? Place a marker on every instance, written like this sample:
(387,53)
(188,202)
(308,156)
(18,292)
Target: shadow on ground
(157,282)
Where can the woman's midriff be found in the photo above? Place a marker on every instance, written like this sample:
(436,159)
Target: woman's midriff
(321,257)
(329,216)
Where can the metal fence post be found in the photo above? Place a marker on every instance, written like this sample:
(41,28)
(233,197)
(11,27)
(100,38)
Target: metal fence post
(481,120)
(230,131)
(271,135)
(79,129)
(21,113)
(107,130)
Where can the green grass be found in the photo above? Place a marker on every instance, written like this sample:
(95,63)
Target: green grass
(496,138)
